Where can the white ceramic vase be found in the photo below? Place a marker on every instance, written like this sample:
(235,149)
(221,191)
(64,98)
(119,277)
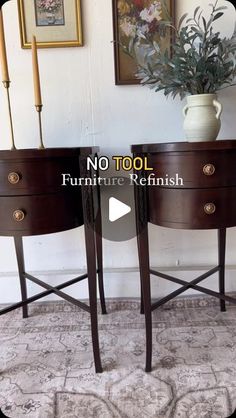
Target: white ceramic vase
(202,118)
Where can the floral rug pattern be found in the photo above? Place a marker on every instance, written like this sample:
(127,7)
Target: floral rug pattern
(46,362)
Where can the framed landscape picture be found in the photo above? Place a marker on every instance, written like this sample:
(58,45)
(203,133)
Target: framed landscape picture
(55,23)
(129,15)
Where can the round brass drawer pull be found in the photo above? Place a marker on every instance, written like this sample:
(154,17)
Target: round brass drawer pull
(18,215)
(209,208)
(209,169)
(13,178)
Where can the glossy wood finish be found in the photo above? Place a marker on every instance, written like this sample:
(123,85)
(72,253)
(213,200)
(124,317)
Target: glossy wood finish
(40,171)
(224,145)
(206,200)
(36,176)
(185,208)
(189,161)
(191,167)
(34,202)
(44,214)
(48,206)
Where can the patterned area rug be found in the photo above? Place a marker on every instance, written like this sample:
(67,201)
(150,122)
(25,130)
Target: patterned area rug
(47,368)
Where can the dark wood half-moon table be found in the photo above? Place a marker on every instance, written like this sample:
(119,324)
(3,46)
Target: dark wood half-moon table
(206,200)
(34,202)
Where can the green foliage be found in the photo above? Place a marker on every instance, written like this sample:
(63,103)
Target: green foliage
(200,61)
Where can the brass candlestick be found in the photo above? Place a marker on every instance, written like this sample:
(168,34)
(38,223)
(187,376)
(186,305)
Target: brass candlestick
(39,110)
(7,86)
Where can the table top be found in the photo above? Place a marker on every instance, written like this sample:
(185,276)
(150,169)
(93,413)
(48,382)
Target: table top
(226,144)
(47,153)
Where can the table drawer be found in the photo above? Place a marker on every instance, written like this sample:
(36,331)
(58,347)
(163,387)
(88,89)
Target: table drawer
(40,214)
(202,169)
(35,176)
(192,209)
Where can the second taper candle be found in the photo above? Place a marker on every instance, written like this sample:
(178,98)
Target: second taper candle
(37,87)
(3,52)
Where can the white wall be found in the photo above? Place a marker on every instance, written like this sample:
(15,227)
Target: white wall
(83,106)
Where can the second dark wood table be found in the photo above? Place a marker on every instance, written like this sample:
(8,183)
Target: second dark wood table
(207,200)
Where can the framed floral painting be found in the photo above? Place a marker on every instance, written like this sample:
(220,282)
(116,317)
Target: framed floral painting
(55,23)
(142,17)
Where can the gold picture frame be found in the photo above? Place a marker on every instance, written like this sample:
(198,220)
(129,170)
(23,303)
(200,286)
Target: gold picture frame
(64,29)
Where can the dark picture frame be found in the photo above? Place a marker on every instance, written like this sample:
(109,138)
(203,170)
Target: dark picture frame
(125,66)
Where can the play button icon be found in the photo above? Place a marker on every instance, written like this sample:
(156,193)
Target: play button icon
(117,209)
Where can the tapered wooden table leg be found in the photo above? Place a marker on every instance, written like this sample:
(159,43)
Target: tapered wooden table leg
(143,253)
(90,243)
(21,269)
(222,248)
(92,283)
(146,291)
(141,305)
(98,226)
